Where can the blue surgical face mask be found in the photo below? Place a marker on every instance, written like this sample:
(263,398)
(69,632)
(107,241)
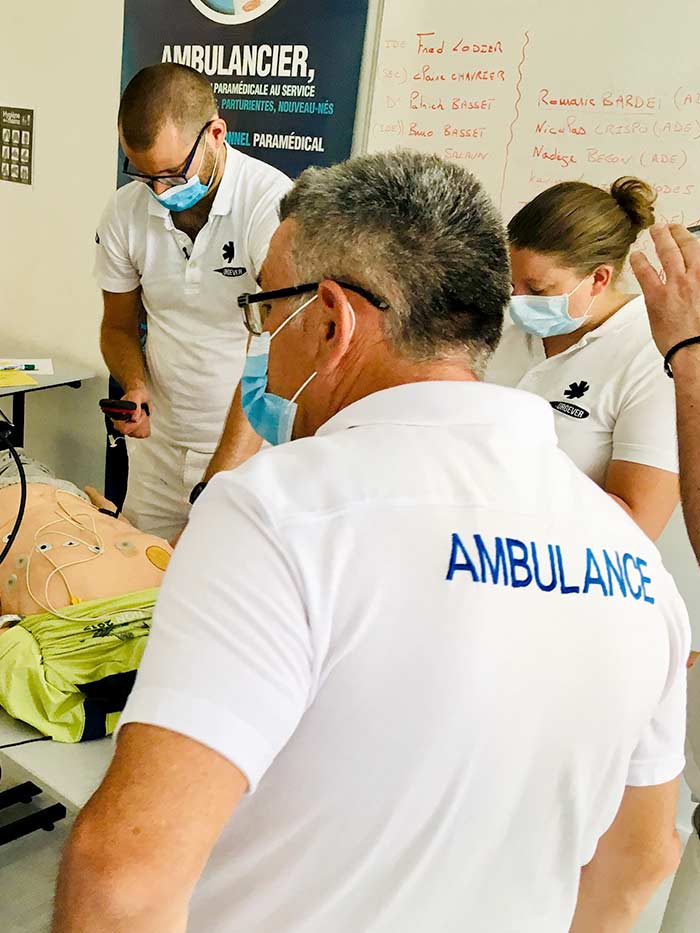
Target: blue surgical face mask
(183,197)
(270,415)
(546,315)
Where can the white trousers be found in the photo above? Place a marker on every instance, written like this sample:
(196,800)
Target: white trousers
(683,909)
(161,477)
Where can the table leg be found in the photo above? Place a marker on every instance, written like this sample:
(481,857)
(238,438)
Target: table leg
(18,419)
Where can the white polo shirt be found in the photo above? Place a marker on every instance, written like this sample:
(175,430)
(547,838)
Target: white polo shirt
(196,344)
(435,677)
(611,397)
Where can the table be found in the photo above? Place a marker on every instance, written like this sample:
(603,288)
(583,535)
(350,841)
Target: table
(68,773)
(65,374)
(14,731)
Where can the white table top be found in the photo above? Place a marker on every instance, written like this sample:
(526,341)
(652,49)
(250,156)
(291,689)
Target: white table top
(62,375)
(69,773)
(14,730)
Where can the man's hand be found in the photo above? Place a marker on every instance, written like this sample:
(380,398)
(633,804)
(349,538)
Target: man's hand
(140,424)
(674,313)
(98,500)
(101,502)
(674,305)
(694,655)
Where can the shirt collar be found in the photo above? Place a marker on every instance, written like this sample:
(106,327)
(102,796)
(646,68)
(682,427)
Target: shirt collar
(449,403)
(620,319)
(224,193)
(155,208)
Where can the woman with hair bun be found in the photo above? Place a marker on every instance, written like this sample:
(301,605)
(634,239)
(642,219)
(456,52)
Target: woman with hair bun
(585,346)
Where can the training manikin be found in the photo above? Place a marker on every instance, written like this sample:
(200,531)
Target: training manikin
(67,551)
(77,591)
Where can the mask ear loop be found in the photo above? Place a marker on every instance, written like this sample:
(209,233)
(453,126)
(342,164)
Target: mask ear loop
(314,374)
(299,391)
(216,165)
(354,320)
(590,304)
(569,294)
(201,161)
(292,316)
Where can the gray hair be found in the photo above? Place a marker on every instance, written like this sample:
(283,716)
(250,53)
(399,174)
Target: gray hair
(418,232)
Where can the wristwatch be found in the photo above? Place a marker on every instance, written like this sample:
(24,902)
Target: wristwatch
(197,491)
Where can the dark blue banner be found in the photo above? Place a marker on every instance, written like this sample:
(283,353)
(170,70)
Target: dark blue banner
(285,72)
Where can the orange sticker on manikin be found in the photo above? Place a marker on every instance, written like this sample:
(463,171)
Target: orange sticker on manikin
(158,556)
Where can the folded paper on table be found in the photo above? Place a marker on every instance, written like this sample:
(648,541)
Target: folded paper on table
(11,377)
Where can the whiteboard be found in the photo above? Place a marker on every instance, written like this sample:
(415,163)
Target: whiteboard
(526,94)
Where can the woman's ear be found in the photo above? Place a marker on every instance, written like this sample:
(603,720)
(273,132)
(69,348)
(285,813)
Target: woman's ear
(602,277)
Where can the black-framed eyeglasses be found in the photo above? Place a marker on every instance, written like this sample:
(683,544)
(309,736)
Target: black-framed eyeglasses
(170,181)
(256,306)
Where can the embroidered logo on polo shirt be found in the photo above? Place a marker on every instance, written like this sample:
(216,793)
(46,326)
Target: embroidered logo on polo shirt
(577,389)
(228,251)
(573,411)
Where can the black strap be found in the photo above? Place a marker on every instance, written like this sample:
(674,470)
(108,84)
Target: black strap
(104,696)
(112,514)
(674,350)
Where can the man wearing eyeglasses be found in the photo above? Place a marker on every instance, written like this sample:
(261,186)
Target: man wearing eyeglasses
(179,245)
(430,691)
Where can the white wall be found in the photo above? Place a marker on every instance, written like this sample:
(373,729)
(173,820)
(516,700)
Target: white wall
(63,61)
(680,562)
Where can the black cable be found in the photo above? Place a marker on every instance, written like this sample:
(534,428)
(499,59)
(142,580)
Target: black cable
(5,442)
(41,738)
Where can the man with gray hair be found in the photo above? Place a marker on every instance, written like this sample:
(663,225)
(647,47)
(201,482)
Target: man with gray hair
(430,692)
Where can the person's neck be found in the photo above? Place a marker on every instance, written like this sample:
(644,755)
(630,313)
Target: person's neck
(194,219)
(608,304)
(388,373)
